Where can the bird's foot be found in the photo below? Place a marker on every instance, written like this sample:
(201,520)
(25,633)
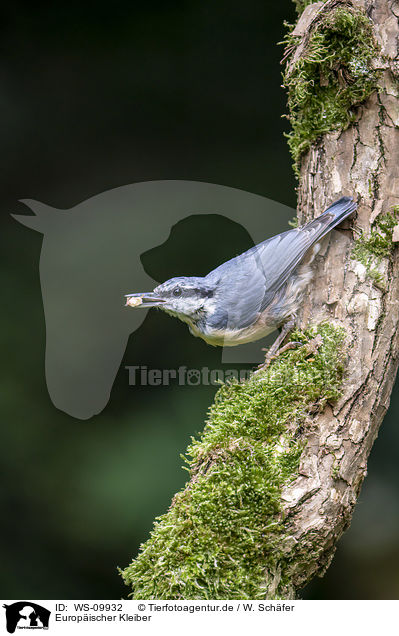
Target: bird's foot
(275,350)
(310,349)
(272,355)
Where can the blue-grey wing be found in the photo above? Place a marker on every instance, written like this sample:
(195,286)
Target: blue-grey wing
(247,283)
(240,291)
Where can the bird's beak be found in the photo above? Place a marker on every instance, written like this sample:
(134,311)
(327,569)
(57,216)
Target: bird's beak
(145,300)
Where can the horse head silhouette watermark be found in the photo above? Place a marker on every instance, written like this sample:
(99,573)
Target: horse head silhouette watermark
(90,258)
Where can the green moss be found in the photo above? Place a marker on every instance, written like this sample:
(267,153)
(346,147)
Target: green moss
(370,250)
(223,537)
(332,76)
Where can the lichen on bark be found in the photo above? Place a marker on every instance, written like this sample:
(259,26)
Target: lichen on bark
(300,5)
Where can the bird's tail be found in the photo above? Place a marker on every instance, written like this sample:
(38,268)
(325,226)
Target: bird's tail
(335,214)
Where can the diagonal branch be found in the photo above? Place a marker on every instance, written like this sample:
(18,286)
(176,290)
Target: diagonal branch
(277,471)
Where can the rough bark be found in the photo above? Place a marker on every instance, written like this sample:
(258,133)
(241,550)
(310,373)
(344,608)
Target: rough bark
(362,161)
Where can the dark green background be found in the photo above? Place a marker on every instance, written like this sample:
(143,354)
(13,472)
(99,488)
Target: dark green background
(93,97)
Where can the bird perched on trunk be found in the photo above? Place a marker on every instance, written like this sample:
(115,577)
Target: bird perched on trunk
(254,293)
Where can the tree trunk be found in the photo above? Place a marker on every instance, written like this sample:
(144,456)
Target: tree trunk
(363,161)
(277,472)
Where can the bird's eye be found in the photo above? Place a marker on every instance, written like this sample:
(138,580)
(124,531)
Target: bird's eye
(177,291)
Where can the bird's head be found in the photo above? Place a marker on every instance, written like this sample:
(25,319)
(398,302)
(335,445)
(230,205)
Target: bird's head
(184,297)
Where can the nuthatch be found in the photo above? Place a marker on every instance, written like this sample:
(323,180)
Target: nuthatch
(254,293)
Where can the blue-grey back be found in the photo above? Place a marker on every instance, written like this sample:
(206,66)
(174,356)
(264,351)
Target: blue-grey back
(247,283)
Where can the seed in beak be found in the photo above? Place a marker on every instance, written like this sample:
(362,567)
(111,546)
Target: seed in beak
(133,301)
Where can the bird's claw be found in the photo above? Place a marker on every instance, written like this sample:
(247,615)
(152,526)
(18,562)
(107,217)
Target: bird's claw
(273,355)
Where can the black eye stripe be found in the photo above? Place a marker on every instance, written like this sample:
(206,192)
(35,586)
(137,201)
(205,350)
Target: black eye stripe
(188,292)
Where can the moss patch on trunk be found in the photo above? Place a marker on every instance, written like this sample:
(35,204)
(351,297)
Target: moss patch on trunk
(371,250)
(223,537)
(333,75)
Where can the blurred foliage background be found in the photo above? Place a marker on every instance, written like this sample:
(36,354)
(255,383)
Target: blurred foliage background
(92,97)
